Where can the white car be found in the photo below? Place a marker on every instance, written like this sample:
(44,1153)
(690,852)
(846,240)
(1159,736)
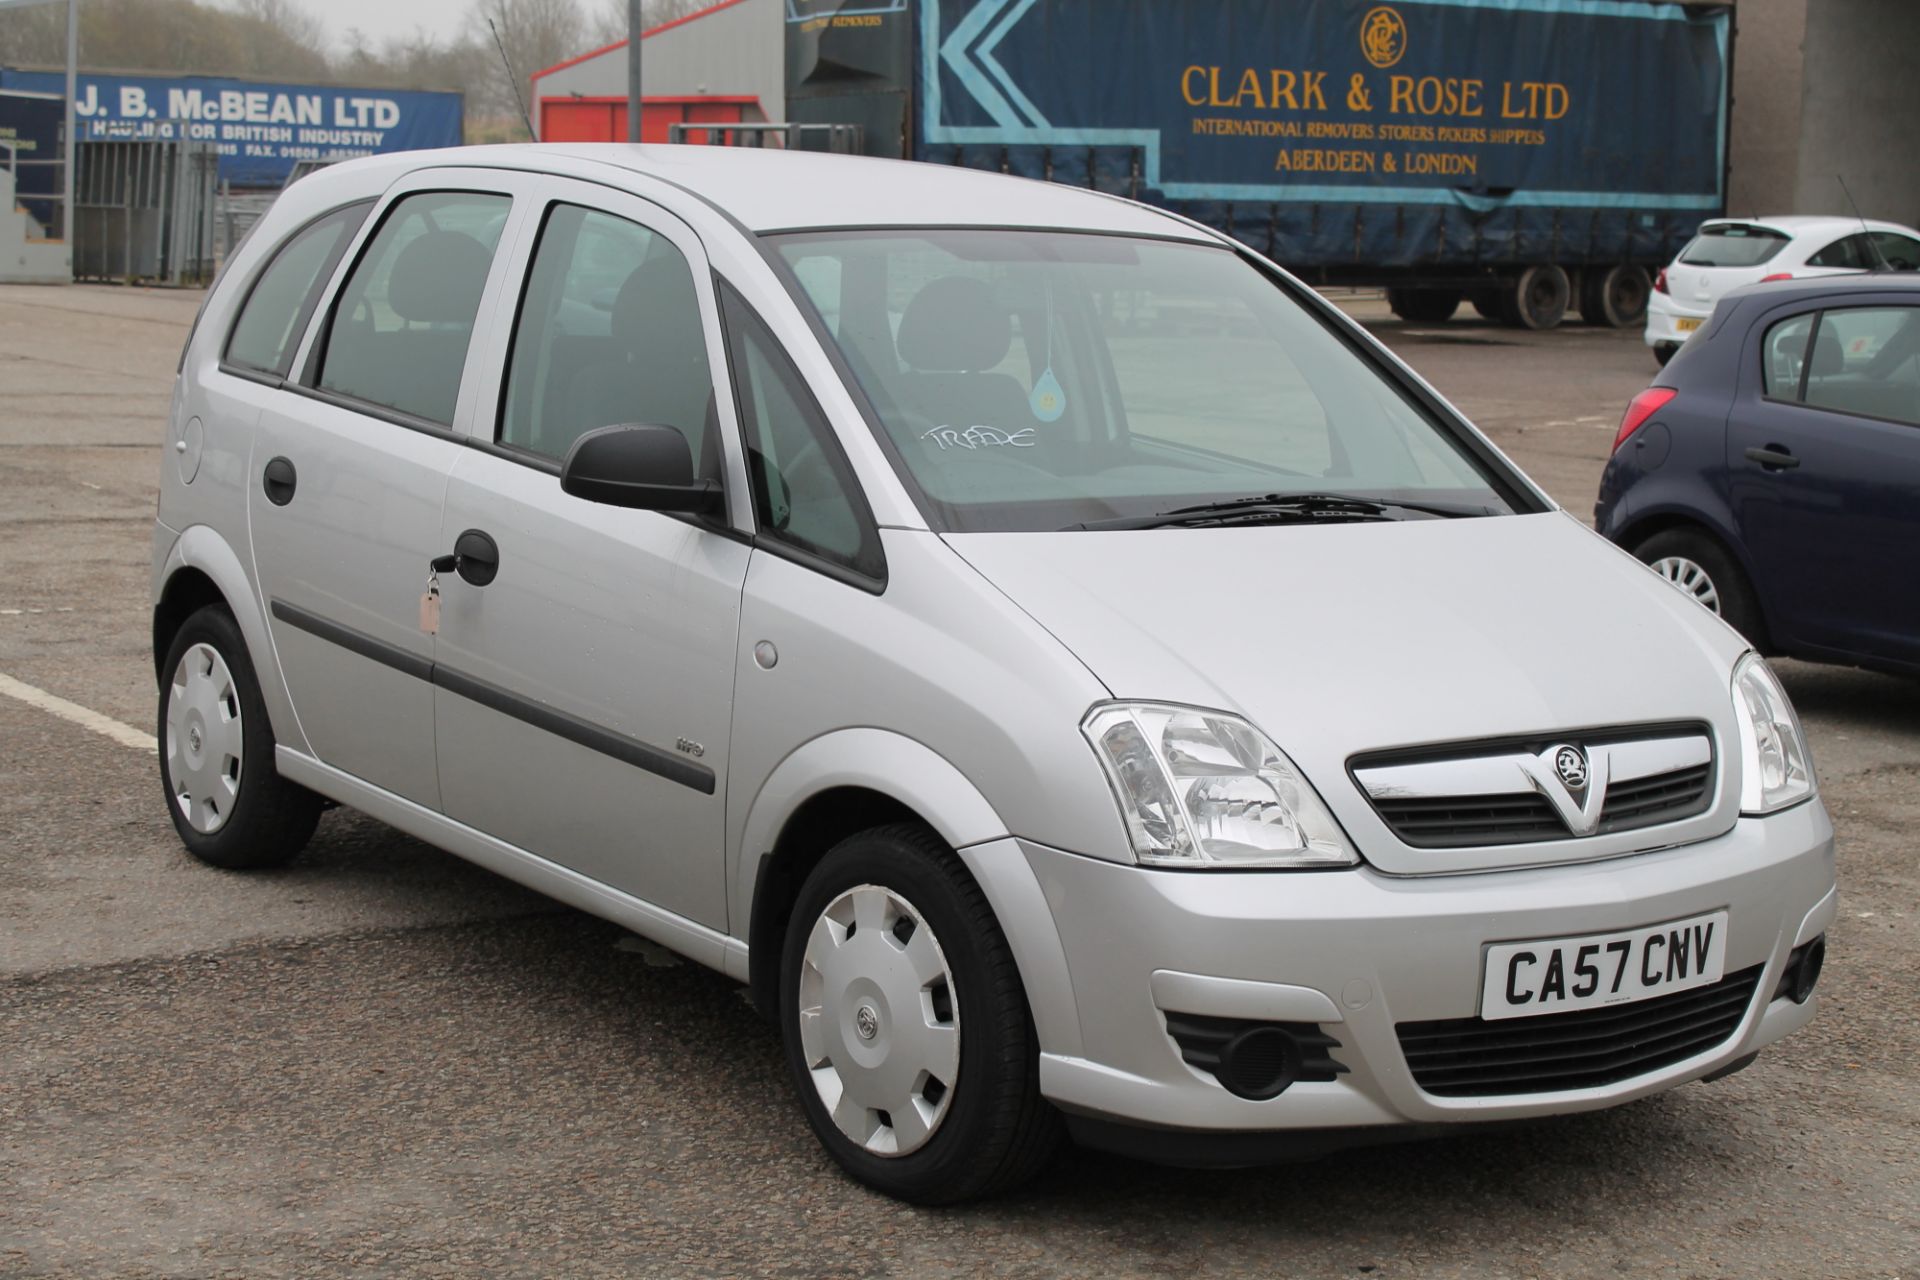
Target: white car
(1731,252)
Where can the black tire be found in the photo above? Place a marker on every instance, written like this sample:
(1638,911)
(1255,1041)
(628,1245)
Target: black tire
(1738,607)
(1424,306)
(997,1131)
(1615,297)
(1486,303)
(1536,298)
(1663,352)
(270,819)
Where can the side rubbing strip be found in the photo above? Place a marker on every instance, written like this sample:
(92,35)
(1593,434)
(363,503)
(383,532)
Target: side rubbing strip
(387,655)
(574,729)
(622,748)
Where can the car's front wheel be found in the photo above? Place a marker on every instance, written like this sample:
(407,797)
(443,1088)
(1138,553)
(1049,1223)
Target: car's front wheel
(906,1026)
(1700,568)
(230,806)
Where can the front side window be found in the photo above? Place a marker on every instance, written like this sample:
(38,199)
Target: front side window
(1043,380)
(284,295)
(398,335)
(804,491)
(1866,360)
(1732,245)
(609,334)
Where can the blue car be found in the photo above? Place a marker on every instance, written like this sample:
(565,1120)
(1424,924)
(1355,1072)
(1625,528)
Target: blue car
(1772,471)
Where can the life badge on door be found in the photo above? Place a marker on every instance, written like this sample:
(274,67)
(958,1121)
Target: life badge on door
(430,605)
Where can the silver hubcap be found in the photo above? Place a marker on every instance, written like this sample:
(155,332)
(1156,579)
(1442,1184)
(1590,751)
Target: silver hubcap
(1688,577)
(203,739)
(878,1021)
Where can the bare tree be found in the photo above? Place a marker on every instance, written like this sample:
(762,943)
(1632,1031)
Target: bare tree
(287,18)
(534,34)
(610,19)
(263,38)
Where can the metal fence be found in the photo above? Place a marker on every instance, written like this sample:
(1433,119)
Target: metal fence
(144,211)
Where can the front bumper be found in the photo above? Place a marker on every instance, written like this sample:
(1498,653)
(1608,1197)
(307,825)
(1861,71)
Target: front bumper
(1111,949)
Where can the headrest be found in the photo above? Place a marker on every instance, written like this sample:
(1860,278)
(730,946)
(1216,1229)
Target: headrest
(954,325)
(439,277)
(1828,358)
(657,307)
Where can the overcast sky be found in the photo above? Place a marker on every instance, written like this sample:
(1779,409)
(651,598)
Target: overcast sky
(382,19)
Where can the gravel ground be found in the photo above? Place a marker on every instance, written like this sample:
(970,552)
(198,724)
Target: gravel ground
(385,1062)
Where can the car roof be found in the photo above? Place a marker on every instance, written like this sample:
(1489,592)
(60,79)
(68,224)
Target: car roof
(1802,224)
(774,190)
(1778,291)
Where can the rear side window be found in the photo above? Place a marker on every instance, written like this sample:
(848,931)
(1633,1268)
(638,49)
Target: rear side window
(609,334)
(1866,360)
(804,491)
(1732,245)
(284,295)
(398,335)
(1848,253)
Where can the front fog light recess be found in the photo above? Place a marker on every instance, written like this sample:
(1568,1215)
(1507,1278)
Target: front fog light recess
(1207,789)
(1776,769)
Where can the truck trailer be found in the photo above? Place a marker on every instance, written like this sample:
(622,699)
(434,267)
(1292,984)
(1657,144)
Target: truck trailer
(1522,156)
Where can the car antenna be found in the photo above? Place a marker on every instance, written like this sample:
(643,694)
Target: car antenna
(1872,244)
(513,80)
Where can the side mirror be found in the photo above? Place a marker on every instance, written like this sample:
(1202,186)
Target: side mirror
(649,468)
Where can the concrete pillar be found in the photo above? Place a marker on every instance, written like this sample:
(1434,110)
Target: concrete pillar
(1860,98)
(1763,147)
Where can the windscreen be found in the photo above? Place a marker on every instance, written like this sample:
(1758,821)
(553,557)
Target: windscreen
(1042,380)
(1732,245)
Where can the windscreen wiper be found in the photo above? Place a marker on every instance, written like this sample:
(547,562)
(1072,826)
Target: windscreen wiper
(1287,508)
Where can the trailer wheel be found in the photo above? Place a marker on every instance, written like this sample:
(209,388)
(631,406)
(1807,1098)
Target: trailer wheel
(1424,306)
(1487,303)
(1537,298)
(1615,297)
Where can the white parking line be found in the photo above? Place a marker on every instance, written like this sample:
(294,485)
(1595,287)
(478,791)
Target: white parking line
(124,734)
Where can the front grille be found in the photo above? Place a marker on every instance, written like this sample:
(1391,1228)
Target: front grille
(1646,802)
(1450,822)
(1447,822)
(1583,1049)
(1462,795)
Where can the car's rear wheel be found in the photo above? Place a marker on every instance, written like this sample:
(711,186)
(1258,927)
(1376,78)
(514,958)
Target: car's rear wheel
(1664,351)
(1696,565)
(906,1027)
(229,804)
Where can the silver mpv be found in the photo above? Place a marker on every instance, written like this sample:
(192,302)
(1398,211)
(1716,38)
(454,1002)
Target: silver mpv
(1077,679)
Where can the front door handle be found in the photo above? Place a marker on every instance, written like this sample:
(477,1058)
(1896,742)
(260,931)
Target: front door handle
(1773,458)
(476,558)
(279,480)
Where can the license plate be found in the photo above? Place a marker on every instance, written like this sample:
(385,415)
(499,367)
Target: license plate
(1686,324)
(1554,975)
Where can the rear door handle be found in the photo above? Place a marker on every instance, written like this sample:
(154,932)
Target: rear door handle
(279,480)
(1773,458)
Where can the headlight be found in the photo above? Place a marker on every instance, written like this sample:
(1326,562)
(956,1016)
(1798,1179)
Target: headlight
(1206,789)
(1776,769)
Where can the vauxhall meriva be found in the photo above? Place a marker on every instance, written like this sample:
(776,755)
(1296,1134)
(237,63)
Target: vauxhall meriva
(1075,677)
